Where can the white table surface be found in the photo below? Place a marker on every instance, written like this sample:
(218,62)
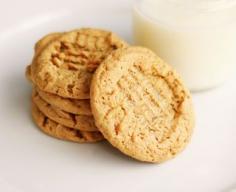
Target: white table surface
(31,161)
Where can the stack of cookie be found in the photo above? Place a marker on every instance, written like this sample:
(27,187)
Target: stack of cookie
(61,73)
(138,102)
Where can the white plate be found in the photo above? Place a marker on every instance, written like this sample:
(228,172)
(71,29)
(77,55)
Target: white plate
(31,161)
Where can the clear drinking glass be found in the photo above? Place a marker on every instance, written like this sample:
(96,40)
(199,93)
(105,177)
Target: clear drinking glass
(196,37)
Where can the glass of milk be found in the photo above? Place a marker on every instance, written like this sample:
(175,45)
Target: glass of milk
(196,37)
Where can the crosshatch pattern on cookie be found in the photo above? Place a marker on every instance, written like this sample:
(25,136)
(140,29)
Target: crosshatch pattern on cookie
(141,105)
(66,65)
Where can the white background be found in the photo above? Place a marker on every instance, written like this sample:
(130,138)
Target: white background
(31,161)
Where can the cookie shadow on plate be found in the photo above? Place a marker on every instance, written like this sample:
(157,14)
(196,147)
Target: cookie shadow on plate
(109,152)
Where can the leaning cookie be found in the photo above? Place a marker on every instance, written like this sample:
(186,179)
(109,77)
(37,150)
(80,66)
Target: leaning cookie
(65,66)
(56,130)
(79,122)
(141,105)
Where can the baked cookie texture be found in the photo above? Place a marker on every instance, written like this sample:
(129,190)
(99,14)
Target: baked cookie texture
(138,102)
(74,106)
(59,131)
(65,66)
(141,105)
(79,122)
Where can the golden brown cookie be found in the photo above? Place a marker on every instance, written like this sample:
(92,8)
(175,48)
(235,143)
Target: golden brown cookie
(141,106)
(54,129)
(80,122)
(66,65)
(75,106)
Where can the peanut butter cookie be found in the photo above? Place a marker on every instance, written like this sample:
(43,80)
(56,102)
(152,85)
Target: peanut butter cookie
(141,106)
(80,122)
(54,129)
(75,106)
(65,66)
